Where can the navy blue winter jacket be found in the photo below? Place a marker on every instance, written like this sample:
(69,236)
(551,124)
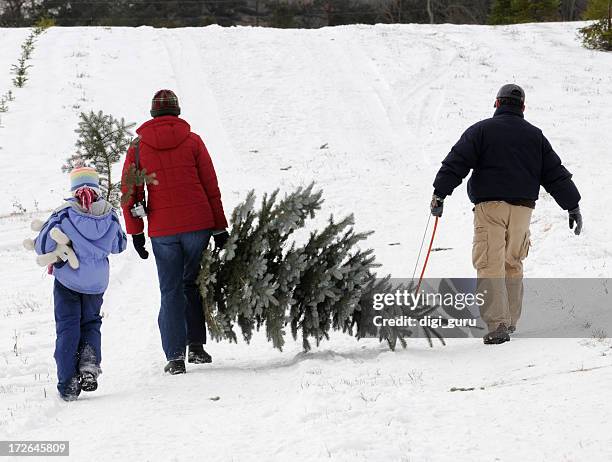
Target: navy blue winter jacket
(510,159)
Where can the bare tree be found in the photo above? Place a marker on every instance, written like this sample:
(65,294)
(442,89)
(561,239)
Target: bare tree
(17,13)
(430,12)
(463,11)
(391,10)
(12,9)
(459,11)
(571,10)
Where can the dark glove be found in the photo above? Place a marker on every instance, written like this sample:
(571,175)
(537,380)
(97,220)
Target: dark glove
(437,204)
(220,239)
(575,217)
(139,244)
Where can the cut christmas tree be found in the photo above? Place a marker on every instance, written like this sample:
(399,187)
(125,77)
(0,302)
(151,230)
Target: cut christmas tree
(264,277)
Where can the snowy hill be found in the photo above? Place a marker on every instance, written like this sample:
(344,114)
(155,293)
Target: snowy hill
(368,113)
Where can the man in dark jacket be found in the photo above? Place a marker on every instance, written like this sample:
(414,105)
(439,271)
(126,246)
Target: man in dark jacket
(509,159)
(184,210)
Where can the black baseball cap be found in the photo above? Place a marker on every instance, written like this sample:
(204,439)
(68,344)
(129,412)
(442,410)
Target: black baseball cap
(512,91)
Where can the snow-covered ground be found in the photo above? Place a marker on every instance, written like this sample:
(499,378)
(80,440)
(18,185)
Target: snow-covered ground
(367,112)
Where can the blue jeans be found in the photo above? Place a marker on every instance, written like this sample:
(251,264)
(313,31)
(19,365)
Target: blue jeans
(181,316)
(77,326)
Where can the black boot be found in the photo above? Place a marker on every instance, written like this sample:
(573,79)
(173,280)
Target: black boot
(72,390)
(497,336)
(175,366)
(89,382)
(197,355)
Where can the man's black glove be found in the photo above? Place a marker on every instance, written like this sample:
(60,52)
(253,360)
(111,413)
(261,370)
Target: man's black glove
(575,217)
(220,239)
(437,204)
(139,244)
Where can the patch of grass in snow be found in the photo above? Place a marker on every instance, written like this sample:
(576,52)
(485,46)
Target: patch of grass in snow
(18,208)
(79,54)
(372,398)
(314,371)
(600,335)
(5,389)
(20,305)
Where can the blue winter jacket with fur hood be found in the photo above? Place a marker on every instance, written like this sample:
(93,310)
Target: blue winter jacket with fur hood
(94,235)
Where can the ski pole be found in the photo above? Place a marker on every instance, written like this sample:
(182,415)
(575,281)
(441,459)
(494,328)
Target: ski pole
(433,234)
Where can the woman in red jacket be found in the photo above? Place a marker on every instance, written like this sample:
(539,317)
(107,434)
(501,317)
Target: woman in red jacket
(183,211)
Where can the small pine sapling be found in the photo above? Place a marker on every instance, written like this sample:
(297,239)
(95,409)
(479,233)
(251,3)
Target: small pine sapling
(102,140)
(20,70)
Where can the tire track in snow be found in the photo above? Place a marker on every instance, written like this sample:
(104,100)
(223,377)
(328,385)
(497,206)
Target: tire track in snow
(364,67)
(198,102)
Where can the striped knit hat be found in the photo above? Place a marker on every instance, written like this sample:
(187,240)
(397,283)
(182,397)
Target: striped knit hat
(84,177)
(165,102)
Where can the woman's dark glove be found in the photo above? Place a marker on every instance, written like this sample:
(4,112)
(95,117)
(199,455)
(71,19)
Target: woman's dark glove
(139,244)
(221,239)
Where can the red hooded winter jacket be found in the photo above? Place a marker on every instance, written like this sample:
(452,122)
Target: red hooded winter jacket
(187,197)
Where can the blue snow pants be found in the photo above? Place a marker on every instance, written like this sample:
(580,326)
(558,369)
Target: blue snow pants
(77,326)
(181,317)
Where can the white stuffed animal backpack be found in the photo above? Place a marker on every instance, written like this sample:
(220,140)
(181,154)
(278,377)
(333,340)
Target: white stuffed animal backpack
(63,251)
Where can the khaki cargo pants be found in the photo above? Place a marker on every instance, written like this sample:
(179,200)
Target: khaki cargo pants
(501,243)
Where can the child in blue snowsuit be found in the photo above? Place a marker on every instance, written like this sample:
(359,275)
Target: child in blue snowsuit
(94,230)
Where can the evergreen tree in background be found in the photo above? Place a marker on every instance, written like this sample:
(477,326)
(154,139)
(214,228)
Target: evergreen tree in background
(500,12)
(101,142)
(598,9)
(522,11)
(598,36)
(537,10)
(264,278)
